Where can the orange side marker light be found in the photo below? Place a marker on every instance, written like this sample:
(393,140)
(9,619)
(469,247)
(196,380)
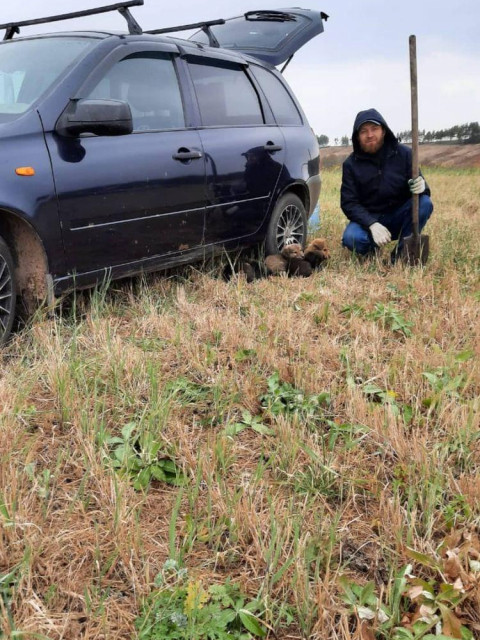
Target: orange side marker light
(25,171)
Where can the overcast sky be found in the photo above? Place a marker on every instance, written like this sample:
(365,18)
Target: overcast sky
(360,61)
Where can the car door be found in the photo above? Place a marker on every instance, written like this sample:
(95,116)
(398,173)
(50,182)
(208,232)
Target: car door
(244,156)
(124,199)
(272,36)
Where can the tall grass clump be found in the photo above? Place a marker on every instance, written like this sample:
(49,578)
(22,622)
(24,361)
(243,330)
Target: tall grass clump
(184,457)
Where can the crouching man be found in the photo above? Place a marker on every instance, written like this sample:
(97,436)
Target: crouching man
(377,187)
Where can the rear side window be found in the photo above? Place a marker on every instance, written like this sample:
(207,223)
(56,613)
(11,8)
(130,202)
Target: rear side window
(284,108)
(148,82)
(226,97)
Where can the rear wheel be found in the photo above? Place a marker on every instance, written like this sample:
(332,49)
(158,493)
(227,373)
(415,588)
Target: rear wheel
(287,225)
(8,292)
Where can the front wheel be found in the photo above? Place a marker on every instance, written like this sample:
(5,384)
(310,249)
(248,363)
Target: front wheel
(8,291)
(287,225)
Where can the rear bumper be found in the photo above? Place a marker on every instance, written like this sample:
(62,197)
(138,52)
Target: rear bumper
(314,184)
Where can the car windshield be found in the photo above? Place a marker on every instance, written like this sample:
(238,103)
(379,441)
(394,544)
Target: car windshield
(29,67)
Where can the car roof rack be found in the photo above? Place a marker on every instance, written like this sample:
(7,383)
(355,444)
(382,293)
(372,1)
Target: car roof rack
(11,28)
(204,26)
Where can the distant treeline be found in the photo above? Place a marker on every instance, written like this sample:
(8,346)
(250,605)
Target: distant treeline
(461,133)
(468,133)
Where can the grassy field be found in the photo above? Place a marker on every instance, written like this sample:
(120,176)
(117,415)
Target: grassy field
(183,457)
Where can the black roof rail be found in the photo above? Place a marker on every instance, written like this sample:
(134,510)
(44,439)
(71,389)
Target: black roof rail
(204,26)
(11,28)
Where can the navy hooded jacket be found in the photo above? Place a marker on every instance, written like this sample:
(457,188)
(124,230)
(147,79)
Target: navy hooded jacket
(375,185)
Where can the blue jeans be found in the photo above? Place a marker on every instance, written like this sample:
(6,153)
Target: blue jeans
(399,223)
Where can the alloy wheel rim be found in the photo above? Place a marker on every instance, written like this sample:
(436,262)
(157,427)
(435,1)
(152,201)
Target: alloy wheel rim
(5,296)
(290,227)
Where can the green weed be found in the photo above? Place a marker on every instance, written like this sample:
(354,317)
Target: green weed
(137,454)
(8,582)
(414,608)
(388,398)
(390,317)
(182,608)
(282,398)
(248,422)
(443,384)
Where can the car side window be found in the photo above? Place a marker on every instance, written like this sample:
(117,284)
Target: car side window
(284,108)
(225,95)
(148,82)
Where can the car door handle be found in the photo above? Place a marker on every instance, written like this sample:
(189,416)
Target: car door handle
(272,147)
(184,154)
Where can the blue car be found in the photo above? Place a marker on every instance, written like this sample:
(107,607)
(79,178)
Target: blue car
(131,152)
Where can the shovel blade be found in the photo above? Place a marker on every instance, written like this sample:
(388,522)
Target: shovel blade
(415,250)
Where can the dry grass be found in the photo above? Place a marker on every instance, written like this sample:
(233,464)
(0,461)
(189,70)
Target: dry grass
(336,489)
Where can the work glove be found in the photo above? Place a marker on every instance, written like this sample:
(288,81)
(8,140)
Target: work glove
(417,185)
(380,234)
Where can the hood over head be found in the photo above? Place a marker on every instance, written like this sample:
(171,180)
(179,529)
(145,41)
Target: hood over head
(371,115)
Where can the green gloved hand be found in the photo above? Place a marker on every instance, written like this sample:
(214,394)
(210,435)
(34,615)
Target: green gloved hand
(417,185)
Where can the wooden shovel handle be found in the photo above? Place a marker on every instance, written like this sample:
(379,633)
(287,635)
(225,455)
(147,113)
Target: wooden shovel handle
(414,100)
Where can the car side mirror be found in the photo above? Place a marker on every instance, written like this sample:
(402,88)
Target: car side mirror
(100,117)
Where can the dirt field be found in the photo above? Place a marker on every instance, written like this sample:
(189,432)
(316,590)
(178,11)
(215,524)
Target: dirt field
(431,155)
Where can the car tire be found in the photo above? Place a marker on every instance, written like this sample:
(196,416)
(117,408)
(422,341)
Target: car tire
(8,292)
(288,224)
